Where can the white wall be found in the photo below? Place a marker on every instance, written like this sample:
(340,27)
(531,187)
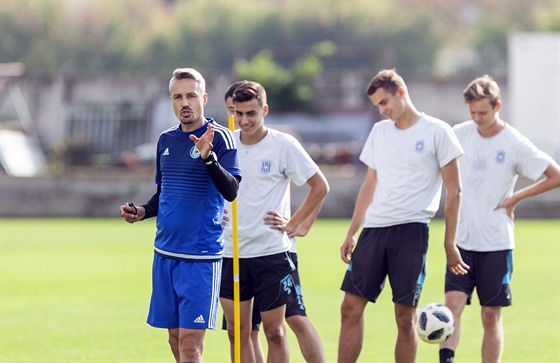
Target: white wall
(534,88)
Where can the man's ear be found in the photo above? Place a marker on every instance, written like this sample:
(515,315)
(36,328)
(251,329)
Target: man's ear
(205,98)
(401,91)
(265,109)
(498,106)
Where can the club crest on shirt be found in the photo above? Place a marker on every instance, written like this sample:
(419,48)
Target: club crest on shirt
(501,157)
(265,167)
(419,146)
(194,152)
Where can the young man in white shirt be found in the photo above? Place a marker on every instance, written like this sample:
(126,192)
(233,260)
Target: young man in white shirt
(408,156)
(495,155)
(271,160)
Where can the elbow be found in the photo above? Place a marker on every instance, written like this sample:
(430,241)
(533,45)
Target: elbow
(455,195)
(231,193)
(325,190)
(230,196)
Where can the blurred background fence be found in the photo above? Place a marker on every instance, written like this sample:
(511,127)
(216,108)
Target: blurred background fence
(84,85)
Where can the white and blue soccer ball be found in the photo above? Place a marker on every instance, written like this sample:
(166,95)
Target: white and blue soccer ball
(435,323)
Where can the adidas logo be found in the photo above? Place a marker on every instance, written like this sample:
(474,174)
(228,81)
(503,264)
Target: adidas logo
(166,151)
(199,320)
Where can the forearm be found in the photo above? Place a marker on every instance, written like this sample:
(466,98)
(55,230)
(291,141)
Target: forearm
(309,209)
(363,200)
(452,208)
(225,182)
(541,186)
(152,206)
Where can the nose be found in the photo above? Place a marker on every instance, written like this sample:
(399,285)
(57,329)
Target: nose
(241,119)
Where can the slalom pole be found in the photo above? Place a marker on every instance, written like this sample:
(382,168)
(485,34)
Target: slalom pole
(236,297)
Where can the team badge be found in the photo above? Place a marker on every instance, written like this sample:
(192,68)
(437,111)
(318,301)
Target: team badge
(501,157)
(266,167)
(419,146)
(194,152)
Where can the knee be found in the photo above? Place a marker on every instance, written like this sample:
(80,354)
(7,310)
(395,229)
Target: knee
(191,344)
(173,339)
(244,330)
(191,348)
(406,322)
(231,333)
(275,334)
(350,312)
(297,323)
(491,317)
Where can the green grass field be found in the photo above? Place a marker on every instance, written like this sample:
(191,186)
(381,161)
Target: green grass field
(76,290)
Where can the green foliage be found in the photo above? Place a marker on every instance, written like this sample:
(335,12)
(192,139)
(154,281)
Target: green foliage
(157,36)
(287,89)
(51,36)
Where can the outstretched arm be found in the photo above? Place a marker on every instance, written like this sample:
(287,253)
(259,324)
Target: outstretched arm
(550,181)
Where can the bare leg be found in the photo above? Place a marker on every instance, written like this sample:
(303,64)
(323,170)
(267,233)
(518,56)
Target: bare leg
(351,336)
(455,301)
(308,339)
(174,343)
(275,332)
(407,341)
(191,344)
(493,339)
(245,326)
(257,347)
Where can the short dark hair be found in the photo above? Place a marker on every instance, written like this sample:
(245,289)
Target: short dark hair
(231,89)
(388,79)
(250,90)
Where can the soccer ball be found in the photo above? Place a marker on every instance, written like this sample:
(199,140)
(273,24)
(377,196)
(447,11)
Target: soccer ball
(435,323)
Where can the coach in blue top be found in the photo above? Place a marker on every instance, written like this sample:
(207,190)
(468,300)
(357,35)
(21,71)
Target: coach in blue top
(197,168)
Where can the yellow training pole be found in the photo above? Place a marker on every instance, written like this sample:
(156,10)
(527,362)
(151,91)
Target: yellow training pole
(236,297)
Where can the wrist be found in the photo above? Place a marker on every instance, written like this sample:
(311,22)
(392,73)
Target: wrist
(211,159)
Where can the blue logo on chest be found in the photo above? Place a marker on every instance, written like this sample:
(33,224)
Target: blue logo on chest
(194,152)
(501,157)
(419,146)
(266,167)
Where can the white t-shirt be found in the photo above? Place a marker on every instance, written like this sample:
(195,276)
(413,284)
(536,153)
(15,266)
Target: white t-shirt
(267,168)
(489,171)
(408,164)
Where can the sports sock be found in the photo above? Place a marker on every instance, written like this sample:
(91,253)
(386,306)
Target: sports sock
(446,355)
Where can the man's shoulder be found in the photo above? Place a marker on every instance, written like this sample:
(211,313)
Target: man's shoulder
(281,137)
(464,126)
(170,130)
(434,121)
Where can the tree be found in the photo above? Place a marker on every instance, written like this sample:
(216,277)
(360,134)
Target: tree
(287,89)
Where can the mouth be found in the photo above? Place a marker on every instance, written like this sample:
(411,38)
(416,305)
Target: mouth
(186,112)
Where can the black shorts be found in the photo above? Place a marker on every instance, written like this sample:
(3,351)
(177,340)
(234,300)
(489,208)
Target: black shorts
(267,279)
(490,273)
(294,306)
(398,252)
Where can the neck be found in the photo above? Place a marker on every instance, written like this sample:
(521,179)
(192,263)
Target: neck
(409,117)
(248,139)
(493,129)
(191,126)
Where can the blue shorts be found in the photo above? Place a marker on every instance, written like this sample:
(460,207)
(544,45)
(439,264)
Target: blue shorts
(184,293)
